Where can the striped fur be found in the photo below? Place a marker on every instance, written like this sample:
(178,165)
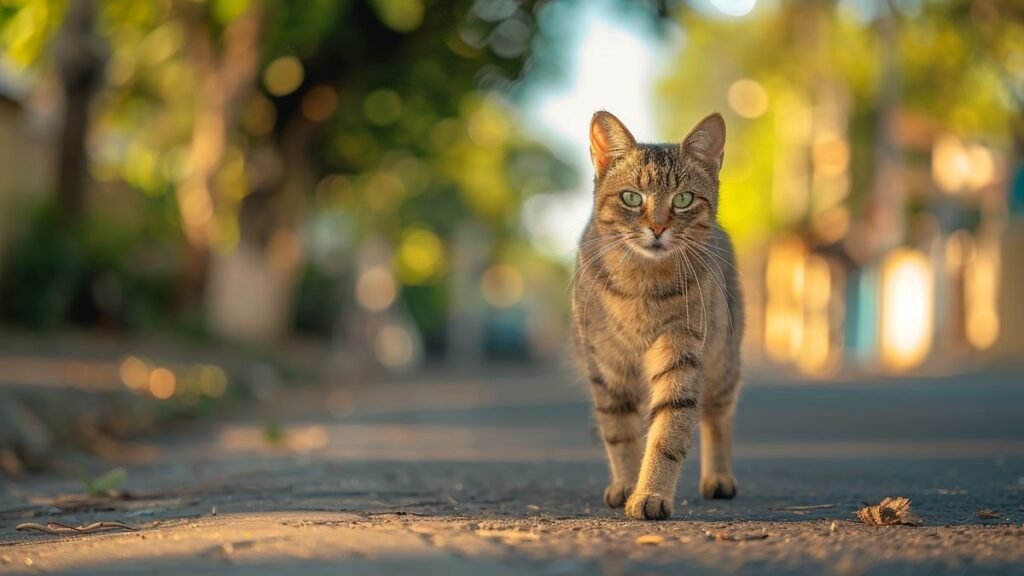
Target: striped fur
(658,319)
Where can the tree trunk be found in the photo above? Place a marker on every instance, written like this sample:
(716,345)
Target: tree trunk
(80,63)
(226,72)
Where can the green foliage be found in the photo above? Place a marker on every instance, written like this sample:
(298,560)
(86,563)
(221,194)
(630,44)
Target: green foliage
(418,137)
(317,293)
(960,62)
(107,271)
(26,28)
(426,305)
(41,274)
(274,433)
(950,66)
(105,484)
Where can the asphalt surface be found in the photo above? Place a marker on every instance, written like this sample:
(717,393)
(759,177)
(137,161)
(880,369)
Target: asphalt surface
(501,474)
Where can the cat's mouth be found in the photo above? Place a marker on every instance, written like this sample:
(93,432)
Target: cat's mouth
(655,248)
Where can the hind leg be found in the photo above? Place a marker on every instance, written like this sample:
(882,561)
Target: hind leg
(716,476)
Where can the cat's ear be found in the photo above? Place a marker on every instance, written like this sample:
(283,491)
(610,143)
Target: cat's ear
(707,140)
(609,140)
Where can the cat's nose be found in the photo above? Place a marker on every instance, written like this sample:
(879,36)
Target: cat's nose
(658,229)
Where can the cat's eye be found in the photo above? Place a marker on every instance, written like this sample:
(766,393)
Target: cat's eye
(682,201)
(631,199)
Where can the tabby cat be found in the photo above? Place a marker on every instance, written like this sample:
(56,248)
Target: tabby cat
(657,313)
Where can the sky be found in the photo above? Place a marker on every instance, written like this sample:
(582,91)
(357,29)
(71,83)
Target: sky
(614,62)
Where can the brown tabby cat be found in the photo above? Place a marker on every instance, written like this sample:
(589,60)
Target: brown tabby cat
(657,313)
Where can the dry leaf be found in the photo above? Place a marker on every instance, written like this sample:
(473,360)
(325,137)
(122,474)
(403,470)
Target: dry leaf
(890,511)
(988,514)
(649,540)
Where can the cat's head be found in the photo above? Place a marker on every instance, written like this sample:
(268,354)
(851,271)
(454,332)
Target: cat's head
(655,197)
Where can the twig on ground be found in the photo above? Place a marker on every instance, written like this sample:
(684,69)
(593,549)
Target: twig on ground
(60,528)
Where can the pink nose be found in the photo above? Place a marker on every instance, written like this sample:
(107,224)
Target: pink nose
(658,229)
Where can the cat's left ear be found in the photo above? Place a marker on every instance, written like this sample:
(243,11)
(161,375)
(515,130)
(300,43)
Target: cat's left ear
(707,140)
(609,140)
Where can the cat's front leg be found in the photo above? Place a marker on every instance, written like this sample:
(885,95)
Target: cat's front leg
(676,384)
(617,411)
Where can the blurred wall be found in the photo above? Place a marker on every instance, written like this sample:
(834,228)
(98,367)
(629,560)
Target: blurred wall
(24,161)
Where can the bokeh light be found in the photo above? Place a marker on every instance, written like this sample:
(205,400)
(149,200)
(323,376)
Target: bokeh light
(382,107)
(400,15)
(162,383)
(502,285)
(135,373)
(320,103)
(283,76)
(734,7)
(376,288)
(394,346)
(982,294)
(259,116)
(748,98)
(213,381)
(907,309)
(420,256)
(488,128)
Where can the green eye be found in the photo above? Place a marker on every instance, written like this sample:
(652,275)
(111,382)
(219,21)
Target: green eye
(631,199)
(682,201)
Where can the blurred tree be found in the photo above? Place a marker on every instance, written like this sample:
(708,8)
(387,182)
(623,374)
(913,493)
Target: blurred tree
(80,58)
(877,65)
(247,119)
(403,112)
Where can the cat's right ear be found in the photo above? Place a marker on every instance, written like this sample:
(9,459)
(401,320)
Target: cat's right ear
(609,140)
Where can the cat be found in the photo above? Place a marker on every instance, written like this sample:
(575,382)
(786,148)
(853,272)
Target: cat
(657,313)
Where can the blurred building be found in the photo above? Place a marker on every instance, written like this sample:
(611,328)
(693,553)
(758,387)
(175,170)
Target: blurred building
(25,159)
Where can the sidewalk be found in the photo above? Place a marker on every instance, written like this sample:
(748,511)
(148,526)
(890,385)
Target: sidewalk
(502,475)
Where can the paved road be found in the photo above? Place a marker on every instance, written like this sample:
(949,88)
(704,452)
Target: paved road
(501,475)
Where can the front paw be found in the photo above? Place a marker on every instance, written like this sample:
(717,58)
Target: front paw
(616,493)
(718,487)
(648,507)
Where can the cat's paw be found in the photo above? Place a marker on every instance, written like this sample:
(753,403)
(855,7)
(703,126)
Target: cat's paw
(616,494)
(718,487)
(648,507)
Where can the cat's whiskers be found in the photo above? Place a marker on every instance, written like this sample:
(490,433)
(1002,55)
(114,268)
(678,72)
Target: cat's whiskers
(686,290)
(717,261)
(597,241)
(703,304)
(717,252)
(599,252)
(608,278)
(699,251)
(719,281)
(586,301)
(707,248)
